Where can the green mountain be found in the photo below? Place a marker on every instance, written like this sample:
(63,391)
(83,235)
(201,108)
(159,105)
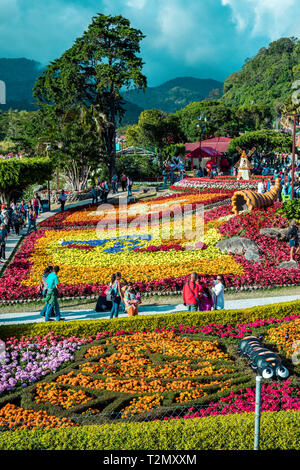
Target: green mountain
(175,94)
(266,78)
(19,76)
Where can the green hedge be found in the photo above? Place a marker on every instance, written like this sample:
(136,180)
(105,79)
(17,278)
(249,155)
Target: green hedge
(151,322)
(279,430)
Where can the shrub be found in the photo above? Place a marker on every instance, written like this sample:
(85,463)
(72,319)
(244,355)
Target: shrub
(279,430)
(151,322)
(290,209)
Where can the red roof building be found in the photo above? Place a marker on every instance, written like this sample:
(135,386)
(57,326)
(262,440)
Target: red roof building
(219,144)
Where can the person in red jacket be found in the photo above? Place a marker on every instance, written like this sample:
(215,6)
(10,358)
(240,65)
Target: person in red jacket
(192,293)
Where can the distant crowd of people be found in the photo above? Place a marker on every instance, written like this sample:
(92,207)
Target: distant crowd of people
(15,217)
(10,155)
(101,190)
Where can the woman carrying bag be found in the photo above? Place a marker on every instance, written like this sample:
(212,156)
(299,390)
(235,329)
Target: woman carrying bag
(116,296)
(218,292)
(104,301)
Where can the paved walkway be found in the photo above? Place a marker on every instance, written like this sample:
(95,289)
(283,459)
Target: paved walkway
(34,317)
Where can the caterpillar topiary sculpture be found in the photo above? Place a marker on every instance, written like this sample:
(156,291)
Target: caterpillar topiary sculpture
(263,361)
(249,200)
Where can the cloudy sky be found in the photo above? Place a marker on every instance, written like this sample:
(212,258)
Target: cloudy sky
(199,38)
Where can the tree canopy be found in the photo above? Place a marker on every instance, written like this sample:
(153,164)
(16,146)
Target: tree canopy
(264,140)
(93,71)
(219,119)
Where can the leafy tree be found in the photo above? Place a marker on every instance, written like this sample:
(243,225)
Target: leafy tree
(137,167)
(264,140)
(75,140)
(218,119)
(79,144)
(155,129)
(254,117)
(133,137)
(16,120)
(3,124)
(93,71)
(16,175)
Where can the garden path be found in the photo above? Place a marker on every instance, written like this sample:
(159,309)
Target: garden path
(34,317)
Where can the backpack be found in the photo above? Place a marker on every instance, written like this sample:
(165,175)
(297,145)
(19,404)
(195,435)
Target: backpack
(115,293)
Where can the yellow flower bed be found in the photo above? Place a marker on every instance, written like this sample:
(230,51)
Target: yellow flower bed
(96,264)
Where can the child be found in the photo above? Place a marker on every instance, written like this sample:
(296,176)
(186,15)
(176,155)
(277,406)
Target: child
(131,304)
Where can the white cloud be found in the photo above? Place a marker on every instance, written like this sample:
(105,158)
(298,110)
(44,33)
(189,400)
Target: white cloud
(271,18)
(138,4)
(197,37)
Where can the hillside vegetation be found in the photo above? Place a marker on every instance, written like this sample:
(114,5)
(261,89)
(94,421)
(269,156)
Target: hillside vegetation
(266,78)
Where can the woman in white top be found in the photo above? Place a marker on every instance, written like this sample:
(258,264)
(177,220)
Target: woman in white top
(218,292)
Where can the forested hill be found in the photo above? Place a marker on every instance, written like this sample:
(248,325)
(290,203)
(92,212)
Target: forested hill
(19,76)
(267,77)
(175,94)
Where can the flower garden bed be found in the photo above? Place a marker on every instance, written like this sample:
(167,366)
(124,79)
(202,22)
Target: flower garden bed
(188,372)
(89,215)
(218,183)
(156,256)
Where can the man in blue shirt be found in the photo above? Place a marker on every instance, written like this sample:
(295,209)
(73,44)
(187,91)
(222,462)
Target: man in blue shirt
(52,282)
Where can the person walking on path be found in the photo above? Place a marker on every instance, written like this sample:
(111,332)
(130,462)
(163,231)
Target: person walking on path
(44,288)
(192,293)
(218,292)
(23,212)
(124,181)
(129,186)
(52,295)
(94,195)
(104,300)
(5,219)
(293,237)
(36,204)
(116,296)
(31,221)
(105,191)
(62,199)
(114,183)
(3,237)
(16,221)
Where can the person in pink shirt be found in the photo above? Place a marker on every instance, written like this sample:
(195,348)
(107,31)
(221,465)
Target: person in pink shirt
(206,301)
